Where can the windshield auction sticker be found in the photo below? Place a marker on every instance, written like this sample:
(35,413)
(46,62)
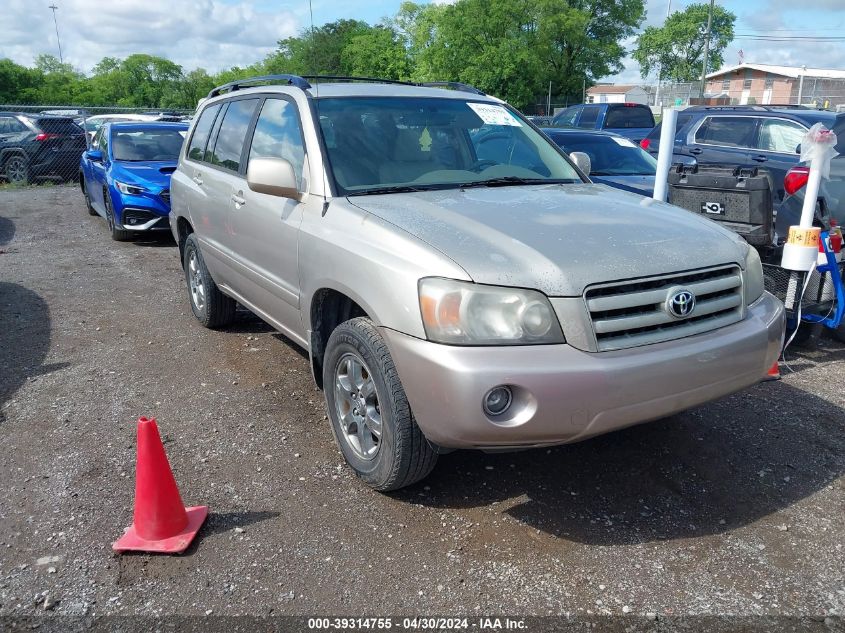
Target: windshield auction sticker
(493,114)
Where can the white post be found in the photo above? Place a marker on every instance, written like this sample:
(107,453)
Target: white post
(664,154)
(811,194)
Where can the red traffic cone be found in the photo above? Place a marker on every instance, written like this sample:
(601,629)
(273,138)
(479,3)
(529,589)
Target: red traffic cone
(773,373)
(161,523)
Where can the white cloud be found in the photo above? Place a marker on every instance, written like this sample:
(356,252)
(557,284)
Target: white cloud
(192,33)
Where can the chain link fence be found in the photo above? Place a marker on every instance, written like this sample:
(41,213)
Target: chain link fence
(813,92)
(41,144)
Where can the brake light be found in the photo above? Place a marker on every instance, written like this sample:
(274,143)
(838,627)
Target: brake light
(46,136)
(645,143)
(631,105)
(795,179)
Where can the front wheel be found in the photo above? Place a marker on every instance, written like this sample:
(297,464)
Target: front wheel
(210,306)
(117,234)
(369,412)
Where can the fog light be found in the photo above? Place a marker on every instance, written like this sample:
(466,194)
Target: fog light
(497,400)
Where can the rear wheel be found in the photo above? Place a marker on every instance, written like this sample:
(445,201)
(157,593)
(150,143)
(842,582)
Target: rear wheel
(17,170)
(118,235)
(839,333)
(369,412)
(210,306)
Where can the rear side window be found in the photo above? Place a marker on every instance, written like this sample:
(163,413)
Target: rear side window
(196,149)
(229,145)
(839,130)
(780,135)
(683,119)
(628,117)
(567,117)
(58,126)
(10,125)
(730,131)
(589,116)
(278,134)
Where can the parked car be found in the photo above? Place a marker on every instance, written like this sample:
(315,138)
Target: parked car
(125,176)
(615,161)
(742,136)
(37,146)
(540,121)
(93,123)
(453,298)
(633,120)
(831,191)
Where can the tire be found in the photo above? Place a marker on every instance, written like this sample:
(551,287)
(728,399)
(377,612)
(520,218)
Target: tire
(118,235)
(16,170)
(210,306)
(398,454)
(839,333)
(91,210)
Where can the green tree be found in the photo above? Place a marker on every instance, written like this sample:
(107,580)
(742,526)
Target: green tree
(57,83)
(18,84)
(677,48)
(316,51)
(379,52)
(514,48)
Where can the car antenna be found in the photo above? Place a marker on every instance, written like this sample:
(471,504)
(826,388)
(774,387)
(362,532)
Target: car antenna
(317,107)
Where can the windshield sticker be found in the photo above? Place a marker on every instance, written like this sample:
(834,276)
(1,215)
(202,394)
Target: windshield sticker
(493,114)
(623,141)
(425,140)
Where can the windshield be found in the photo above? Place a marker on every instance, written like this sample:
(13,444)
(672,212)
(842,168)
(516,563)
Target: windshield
(141,145)
(384,144)
(610,155)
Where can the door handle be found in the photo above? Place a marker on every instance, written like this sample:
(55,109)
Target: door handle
(198,179)
(238,200)
(760,158)
(696,150)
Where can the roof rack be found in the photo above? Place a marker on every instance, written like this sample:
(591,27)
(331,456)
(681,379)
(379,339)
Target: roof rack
(452,85)
(373,80)
(303,83)
(291,80)
(751,106)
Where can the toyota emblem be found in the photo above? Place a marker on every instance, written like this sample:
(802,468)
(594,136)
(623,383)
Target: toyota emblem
(680,303)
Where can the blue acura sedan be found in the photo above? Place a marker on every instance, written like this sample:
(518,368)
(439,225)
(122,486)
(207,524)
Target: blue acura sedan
(125,175)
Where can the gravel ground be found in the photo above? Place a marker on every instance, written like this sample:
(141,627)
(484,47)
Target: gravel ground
(737,507)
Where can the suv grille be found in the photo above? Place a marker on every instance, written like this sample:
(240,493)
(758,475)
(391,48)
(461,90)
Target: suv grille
(635,313)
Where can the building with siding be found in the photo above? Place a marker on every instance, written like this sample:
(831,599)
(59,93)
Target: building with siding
(768,84)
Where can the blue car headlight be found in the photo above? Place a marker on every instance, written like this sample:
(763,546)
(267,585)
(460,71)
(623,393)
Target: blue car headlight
(130,190)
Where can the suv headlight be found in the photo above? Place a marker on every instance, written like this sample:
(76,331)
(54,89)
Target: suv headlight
(463,313)
(130,190)
(753,283)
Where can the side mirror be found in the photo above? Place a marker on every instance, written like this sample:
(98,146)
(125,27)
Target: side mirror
(273,176)
(798,148)
(94,155)
(582,161)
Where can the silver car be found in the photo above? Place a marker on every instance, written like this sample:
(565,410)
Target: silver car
(456,280)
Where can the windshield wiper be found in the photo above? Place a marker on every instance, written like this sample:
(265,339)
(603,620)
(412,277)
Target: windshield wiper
(394,189)
(504,181)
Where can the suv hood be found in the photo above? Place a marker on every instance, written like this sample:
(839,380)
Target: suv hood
(557,238)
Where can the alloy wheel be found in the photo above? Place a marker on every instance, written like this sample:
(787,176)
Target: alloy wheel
(357,405)
(195,282)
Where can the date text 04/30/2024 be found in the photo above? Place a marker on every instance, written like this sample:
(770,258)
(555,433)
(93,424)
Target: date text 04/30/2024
(415,623)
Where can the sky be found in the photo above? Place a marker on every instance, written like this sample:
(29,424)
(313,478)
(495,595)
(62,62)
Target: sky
(217,34)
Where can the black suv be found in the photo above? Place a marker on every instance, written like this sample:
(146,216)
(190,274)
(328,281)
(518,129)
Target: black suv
(39,146)
(742,136)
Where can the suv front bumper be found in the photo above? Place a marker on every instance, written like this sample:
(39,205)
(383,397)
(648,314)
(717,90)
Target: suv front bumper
(563,395)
